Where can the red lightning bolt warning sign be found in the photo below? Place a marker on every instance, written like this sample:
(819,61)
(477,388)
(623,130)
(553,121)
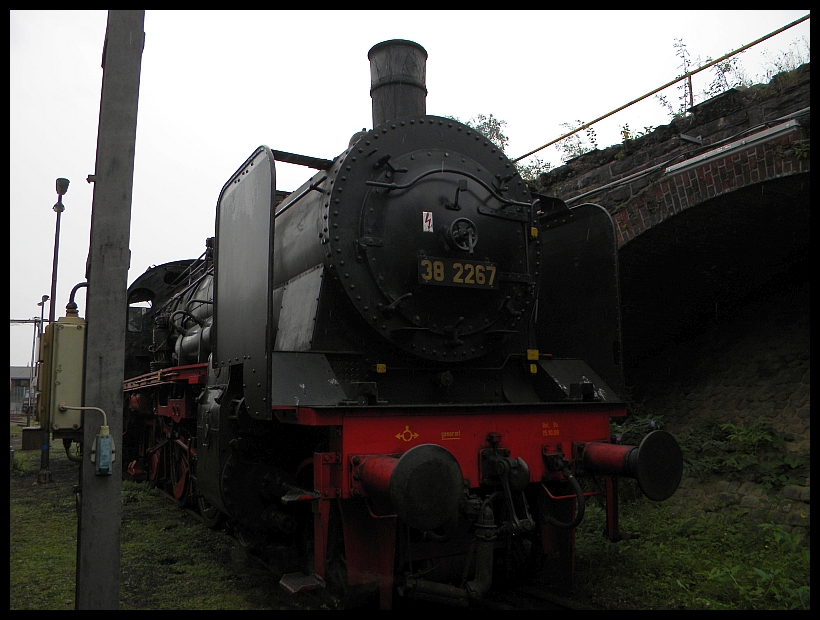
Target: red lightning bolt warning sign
(427,221)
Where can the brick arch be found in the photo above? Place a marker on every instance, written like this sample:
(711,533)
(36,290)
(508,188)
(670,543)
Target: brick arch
(735,140)
(685,273)
(708,210)
(717,174)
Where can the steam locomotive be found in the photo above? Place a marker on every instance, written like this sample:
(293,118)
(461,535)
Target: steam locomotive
(392,378)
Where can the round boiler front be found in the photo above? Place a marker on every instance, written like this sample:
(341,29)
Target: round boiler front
(431,236)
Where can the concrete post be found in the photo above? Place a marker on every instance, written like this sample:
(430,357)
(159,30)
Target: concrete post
(100,511)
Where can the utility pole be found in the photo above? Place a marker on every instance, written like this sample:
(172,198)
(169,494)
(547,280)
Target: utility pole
(100,506)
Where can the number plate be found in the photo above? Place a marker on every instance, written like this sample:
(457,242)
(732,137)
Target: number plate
(457,272)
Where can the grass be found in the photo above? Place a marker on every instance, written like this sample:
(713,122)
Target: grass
(696,561)
(43,543)
(681,557)
(169,560)
(687,558)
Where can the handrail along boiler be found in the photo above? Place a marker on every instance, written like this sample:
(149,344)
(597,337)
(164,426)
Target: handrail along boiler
(392,377)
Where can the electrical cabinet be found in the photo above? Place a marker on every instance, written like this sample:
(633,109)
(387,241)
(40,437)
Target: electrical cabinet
(62,355)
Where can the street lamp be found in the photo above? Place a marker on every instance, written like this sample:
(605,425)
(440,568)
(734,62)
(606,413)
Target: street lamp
(42,305)
(62,187)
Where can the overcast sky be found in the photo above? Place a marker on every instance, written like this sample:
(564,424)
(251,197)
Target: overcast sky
(215,85)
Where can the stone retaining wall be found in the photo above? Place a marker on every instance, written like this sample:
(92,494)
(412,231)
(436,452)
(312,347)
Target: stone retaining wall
(756,366)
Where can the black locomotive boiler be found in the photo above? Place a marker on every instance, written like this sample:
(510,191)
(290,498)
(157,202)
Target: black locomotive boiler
(393,377)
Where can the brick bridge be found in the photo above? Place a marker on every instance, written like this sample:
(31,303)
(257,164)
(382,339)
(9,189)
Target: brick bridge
(712,218)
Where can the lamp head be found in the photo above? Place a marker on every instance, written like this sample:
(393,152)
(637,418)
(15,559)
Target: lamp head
(62,186)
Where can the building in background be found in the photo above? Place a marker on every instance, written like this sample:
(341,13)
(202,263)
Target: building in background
(22,380)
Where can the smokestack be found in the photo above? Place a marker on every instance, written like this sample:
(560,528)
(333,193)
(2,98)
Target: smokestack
(398,74)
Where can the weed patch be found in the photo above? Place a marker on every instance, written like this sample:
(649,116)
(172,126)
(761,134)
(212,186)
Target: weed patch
(755,452)
(706,561)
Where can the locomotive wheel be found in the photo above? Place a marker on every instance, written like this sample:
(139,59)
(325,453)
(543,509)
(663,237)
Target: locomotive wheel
(211,515)
(180,473)
(158,464)
(157,456)
(154,466)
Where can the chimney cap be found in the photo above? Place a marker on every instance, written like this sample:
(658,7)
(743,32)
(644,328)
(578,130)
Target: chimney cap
(392,42)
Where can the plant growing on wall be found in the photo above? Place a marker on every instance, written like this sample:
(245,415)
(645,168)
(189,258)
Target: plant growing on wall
(576,144)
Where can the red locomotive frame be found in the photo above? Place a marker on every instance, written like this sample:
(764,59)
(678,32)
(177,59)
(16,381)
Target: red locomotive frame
(369,442)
